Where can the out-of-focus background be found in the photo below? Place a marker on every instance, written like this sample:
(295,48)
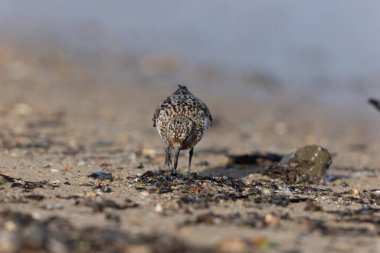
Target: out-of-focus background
(327,49)
(300,67)
(80,81)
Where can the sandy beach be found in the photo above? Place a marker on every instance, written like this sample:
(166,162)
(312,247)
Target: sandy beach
(62,120)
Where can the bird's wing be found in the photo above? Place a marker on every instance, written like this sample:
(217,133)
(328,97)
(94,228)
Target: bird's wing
(165,103)
(375,103)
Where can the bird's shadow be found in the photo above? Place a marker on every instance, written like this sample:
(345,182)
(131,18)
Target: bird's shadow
(240,166)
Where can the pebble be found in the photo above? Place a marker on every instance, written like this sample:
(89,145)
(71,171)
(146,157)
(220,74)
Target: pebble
(272,219)
(55,183)
(232,245)
(101,175)
(355,192)
(158,208)
(106,188)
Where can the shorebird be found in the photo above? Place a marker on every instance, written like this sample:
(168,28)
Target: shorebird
(181,120)
(375,103)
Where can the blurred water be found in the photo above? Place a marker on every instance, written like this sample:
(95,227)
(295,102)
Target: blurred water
(321,44)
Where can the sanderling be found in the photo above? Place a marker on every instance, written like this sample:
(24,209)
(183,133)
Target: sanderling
(181,120)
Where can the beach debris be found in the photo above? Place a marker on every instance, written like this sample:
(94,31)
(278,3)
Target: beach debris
(101,175)
(306,165)
(272,219)
(375,195)
(6,181)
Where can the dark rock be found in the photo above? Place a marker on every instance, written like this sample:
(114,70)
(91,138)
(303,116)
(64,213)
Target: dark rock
(102,175)
(306,165)
(6,181)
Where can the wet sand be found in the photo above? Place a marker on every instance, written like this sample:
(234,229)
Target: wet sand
(61,122)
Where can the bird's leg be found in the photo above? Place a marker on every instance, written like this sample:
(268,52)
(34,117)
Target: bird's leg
(168,160)
(190,157)
(176,154)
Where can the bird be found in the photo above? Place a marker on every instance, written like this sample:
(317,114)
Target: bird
(181,120)
(375,103)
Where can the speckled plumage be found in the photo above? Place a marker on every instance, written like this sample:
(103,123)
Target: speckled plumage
(181,120)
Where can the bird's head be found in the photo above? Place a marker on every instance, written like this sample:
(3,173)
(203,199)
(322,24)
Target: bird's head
(182,90)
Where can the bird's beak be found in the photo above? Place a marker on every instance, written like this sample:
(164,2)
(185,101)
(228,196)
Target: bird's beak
(175,153)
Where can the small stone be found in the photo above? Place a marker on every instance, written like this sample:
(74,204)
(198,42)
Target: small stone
(375,195)
(55,183)
(10,226)
(158,208)
(140,166)
(308,164)
(232,245)
(272,219)
(101,175)
(355,193)
(106,188)
(267,192)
